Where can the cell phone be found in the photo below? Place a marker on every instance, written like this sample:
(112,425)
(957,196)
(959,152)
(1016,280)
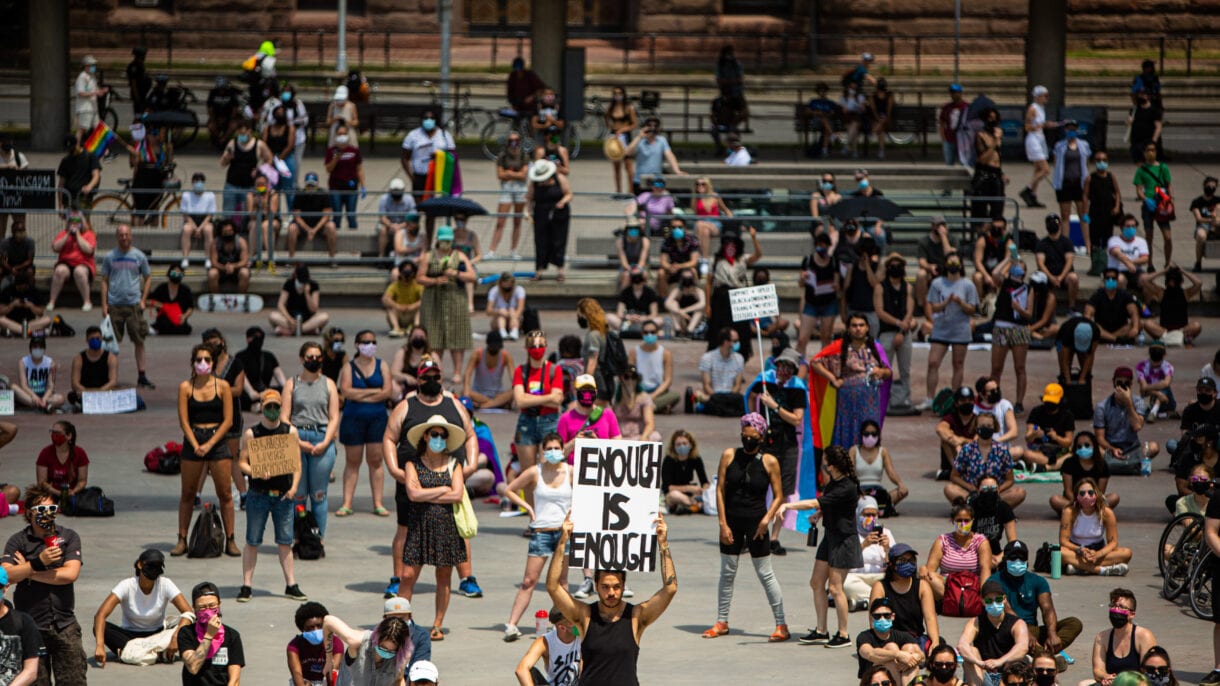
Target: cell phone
(878,528)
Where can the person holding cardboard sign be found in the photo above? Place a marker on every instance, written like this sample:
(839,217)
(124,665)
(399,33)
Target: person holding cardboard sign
(271,457)
(611,628)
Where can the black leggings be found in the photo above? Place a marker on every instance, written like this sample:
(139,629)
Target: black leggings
(116,637)
(550,236)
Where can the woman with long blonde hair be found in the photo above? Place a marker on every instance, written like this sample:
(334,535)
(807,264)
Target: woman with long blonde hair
(591,317)
(709,208)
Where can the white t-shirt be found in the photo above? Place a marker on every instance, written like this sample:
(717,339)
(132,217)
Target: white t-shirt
(999,411)
(738,158)
(874,556)
(145,612)
(198,204)
(423,147)
(497,298)
(86,83)
(1135,249)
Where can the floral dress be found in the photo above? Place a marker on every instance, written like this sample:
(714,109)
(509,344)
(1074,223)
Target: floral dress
(432,535)
(859,398)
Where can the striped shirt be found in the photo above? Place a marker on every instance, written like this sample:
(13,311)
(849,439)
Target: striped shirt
(955,558)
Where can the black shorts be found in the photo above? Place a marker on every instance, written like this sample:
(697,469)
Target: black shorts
(1070,193)
(401,505)
(743,529)
(220,451)
(788,458)
(843,554)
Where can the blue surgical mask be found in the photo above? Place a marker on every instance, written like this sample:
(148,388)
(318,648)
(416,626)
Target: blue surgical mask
(650,338)
(633,233)
(199,186)
(428,124)
(243,138)
(1085,452)
(1102,166)
(994,609)
(883,626)
(682,449)
(95,344)
(863,183)
(553,456)
(736,346)
(1110,284)
(314,637)
(1017,273)
(438,444)
(286,97)
(906,570)
(1070,135)
(1017,567)
(678,234)
(1128,232)
(827,186)
(385,654)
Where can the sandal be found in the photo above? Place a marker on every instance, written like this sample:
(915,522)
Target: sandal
(437,634)
(717,630)
(343,512)
(381,512)
(780,634)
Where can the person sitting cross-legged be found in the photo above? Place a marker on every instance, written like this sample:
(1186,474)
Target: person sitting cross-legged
(882,645)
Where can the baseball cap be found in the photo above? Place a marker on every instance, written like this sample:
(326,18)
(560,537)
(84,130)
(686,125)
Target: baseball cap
(423,671)
(1158,343)
(311,178)
(1082,337)
(939,219)
(426,364)
(880,602)
(1016,548)
(585,380)
(89,59)
(955,88)
(397,185)
(1053,393)
(1039,91)
(204,588)
(901,549)
(1123,373)
(1206,382)
(271,396)
(867,57)
(152,558)
(964,393)
(444,233)
(791,357)
(396,605)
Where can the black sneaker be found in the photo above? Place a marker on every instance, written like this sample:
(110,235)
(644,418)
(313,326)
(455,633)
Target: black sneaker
(839,641)
(777,549)
(143,382)
(942,474)
(688,400)
(245,594)
(1018,409)
(1212,679)
(242,500)
(814,637)
(294,592)
(1028,196)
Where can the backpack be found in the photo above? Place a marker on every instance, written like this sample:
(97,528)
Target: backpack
(207,537)
(942,403)
(164,460)
(308,545)
(530,320)
(612,361)
(90,502)
(1042,560)
(962,596)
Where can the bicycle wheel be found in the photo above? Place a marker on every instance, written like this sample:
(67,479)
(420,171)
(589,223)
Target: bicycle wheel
(1201,587)
(168,211)
(901,138)
(110,209)
(185,135)
(573,140)
(111,118)
(495,134)
(1178,566)
(1171,535)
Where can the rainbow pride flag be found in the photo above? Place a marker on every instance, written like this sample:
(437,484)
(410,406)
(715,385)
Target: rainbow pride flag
(100,139)
(444,175)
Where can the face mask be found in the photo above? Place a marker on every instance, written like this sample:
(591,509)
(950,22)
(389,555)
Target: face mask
(341,140)
(1017,567)
(906,570)
(553,456)
(1128,232)
(1085,452)
(437,444)
(272,413)
(199,186)
(95,344)
(202,617)
(59,439)
(430,387)
(1110,284)
(866,522)
(1102,166)
(870,441)
(993,397)
(730,251)
(228,237)
(36,353)
(337,346)
(953,268)
(586,398)
(313,637)
(633,233)
(985,432)
(683,449)
(1044,679)
(1119,620)
(312,366)
(894,271)
(863,184)
(1086,500)
(151,573)
(965,410)
(883,626)
(942,675)
(382,652)
(687,282)
(1200,487)
(536,354)
(582,322)
(963,528)
(751,444)
(243,138)
(650,339)
(637,279)
(1070,135)
(287,97)
(1016,274)
(92,69)
(175,277)
(678,234)
(994,609)
(419,343)
(736,346)
(429,124)
(1210,190)
(1156,354)
(397,195)
(367,349)
(1157,679)
(203,368)
(828,186)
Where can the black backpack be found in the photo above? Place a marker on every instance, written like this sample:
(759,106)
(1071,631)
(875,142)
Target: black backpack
(207,537)
(308,544)
(612,361)
(90,502)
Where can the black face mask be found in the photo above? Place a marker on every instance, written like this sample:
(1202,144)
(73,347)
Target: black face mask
(986,500)
(1205,398)
(1156,354)
(985,432)
(430,387)
(1210,190)
(965,410)
(582,322)
(151,573)
(751,444)
(1200,487)
(687,283)
(1119,620)
(776,350)
(1045,679)
(637,279)
(894,271)
(228,237)
(942,674)
(255,344)
(419,343)
(175,278)
(993,397)
(953,268)
(312,366)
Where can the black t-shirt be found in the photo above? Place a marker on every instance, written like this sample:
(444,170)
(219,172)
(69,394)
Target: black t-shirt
(221,101)
(297,302)
(137,73)
(682,472)
(17,251)
(49,605)
(868,637)
(1213,509)
(783,434)
(310,205)
(1194,415)
(21,313)
(1111,313)
(260,367)
(214,672)
(1056,251)
(1067,333)
(1073,468)
(640,305)
(77,170)
(1143,123)
(19,641)
(1062,421)
(991,523)
(185,299)
(1205,205)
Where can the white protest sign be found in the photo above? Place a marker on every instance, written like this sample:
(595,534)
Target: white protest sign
(108,402)
(7,406)
(754,302)
(615,501)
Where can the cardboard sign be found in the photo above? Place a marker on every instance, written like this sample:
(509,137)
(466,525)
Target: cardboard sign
(754,302)
(274,455)
(27,189)
(7,405)
(615,501)
(108,402)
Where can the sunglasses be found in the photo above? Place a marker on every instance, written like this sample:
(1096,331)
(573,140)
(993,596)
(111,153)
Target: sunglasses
(883,615)
(944,665)
(313,358)
(366,341)
(203,359)
(962,521)
(1045,670)
(1156,671)
(994,601)
(883,682)
(44,509)
(870,434)
(1086,493)
(438,434)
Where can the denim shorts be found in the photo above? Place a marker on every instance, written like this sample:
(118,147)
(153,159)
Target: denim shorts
(531,429)
(359,429)
(830,309)
(543,543)
(258,507)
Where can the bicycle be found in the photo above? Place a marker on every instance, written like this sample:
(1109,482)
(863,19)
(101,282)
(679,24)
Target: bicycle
(1180,544)
(118,208)
(180,122)
(466,116)
(1201,602)
(495,133)
(595,109)
(106,111)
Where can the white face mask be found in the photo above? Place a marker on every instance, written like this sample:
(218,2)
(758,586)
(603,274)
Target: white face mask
(340,140)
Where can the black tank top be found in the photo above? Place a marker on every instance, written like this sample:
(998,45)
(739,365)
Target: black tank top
(241,167)
(745,487)
(1004,311)
(1129,662)
(277,142)
(908,612)
(994,642)
(94,374)
(824,275)
(417,413)
(205,411)
(1101,194)
(278,483)
(860,295)
(546,195)
(894,302)
(1173,308)
(228,252)
(609,651)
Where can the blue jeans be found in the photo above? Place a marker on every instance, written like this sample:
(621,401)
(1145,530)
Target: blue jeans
(315,477)
(287,186)
(531,429)
(234,204)
(261,505)
(344,200)
(949,149)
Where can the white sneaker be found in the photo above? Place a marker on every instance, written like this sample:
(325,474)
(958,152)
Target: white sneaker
(490,255)
(50,307)
(511,633)
(627,592)
(514,334)
(585,590)
(504,334)
(925,405)
(1119,569)
(207,264)
(516,256)
(185,263)
(87,306)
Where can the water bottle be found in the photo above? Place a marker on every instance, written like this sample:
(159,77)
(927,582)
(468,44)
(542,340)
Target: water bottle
(869,379)
(1056,562)
(542,619)
(299,320)
(1145,461)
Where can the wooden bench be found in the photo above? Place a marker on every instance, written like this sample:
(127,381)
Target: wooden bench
(379,117)
(910,119)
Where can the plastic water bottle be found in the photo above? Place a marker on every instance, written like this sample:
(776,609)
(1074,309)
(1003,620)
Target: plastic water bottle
(1056,562)
(869,379)
(542,619)
(299,320)
(1145,461)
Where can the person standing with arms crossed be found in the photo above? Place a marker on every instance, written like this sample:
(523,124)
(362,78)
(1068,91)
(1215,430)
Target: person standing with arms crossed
(125,282)
(611,628)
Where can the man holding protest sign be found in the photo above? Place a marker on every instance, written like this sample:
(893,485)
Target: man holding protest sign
(271,457)
(614,512)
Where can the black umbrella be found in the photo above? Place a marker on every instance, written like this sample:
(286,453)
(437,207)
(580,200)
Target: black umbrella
(448,206)
(870,206)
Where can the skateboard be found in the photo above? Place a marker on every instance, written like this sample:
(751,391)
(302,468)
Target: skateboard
(230,302)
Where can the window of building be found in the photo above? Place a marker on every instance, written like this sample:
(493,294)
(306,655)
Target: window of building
(353,6)
(162,5)
(779,8)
